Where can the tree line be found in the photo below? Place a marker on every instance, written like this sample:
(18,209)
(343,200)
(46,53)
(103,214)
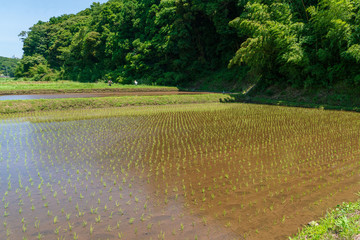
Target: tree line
(302,43)
(8,66)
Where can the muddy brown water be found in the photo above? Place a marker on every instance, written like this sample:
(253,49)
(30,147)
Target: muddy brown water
(91,95)
(241,172)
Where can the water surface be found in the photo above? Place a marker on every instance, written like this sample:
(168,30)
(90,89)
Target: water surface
(92,95)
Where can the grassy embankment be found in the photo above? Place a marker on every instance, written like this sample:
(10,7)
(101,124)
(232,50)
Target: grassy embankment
(289,103)
(340,223)
(339,98)
(18,106)
(9,87)
(12,87)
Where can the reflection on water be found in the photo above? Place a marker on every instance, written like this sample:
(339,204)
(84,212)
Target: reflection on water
(81,173)
(258,171)
(91,95)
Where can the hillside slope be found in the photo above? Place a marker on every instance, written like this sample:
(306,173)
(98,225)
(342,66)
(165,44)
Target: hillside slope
(220,45)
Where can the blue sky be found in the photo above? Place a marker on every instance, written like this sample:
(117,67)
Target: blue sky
(20,15)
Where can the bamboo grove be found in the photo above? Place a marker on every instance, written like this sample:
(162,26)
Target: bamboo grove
(301,43)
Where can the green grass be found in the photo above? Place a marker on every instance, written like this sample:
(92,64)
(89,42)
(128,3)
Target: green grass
(6,80)
(341,223)
(339,97)
(19,106)
(10,86)
(304,104)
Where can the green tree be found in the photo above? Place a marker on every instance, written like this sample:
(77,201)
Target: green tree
(335,46)
(8,66)
(273,48)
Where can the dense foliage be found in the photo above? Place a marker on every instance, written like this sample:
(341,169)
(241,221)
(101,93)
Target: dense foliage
(319,48)
(302,43)
(163,42)
(8,66)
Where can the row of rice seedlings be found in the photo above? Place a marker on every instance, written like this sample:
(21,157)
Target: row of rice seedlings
(229,166)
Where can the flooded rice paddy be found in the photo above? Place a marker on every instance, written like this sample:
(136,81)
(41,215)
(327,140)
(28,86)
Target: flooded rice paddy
(209,171)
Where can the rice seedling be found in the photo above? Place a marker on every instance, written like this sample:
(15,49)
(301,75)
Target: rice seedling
(98,219)
(91,229)
(181,227)
(57,230)
(70,226)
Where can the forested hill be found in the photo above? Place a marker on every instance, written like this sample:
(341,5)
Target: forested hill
(300,43)
(8,66)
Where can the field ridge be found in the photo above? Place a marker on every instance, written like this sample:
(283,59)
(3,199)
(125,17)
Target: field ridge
(17,106)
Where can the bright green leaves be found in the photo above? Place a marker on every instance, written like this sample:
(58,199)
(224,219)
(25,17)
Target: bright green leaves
(139,56)
(251,49)
(281,12)
(339,33)
(35,67)
(273,44)
(333,25)
(281,48)
(353,52)
(332,21)
(294,55)
(91,43)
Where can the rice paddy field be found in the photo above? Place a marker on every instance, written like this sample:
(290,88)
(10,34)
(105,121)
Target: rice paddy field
(192,171)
